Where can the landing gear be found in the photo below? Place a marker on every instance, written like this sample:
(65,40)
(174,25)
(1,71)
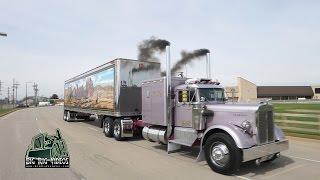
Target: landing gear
(222,154)
(108,127)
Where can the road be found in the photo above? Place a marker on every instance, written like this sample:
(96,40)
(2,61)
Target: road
(94,156)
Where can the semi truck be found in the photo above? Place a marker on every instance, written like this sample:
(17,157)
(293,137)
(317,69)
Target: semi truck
(130,97)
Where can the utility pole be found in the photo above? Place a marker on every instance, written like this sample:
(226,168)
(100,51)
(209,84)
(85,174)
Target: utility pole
(27,93)
(0,87)
(35,89)
(14,88)
(0,95)
(8,95)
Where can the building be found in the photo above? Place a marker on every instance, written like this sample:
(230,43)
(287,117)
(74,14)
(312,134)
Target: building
(316,91)
(246,91)
(285,92)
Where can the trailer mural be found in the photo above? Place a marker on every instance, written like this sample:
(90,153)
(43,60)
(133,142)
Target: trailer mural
(93,91)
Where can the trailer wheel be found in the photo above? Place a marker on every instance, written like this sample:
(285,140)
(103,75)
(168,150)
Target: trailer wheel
(64,115)
(117,130)
(222,154)
(108,127)
(68,116)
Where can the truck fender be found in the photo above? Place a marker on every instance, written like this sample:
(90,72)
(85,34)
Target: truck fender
(242,139)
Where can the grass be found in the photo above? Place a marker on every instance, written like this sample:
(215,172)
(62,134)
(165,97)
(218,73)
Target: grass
(295,112)
(284,107)
(297,118)
(5,111)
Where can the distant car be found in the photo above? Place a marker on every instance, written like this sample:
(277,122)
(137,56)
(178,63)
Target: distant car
(22,106)
(44,104)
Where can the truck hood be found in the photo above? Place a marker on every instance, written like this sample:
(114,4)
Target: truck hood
(234,107)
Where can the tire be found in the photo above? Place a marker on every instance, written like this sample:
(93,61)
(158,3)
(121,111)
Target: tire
(117,130)
(227,157)
(108,127)
(68,116)
(64,115)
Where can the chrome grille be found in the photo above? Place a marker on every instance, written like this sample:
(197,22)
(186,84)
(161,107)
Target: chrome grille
(265,127)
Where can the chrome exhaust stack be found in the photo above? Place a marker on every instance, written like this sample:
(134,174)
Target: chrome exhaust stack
(168,93)
(208,64)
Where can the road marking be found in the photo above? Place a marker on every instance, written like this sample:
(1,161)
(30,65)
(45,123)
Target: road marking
(242,177)
(36,119)
(93,128)
(304,159)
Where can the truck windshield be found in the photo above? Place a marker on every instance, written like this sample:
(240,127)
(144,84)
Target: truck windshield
(211,94)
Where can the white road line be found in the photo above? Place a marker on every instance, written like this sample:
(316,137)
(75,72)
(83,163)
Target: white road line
(304,158)
(93,128)
(242,177)
(36,119)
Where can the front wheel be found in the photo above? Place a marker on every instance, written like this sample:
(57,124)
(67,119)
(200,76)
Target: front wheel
(222,154)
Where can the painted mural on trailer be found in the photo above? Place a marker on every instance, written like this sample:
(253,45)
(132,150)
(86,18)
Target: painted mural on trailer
(94,91)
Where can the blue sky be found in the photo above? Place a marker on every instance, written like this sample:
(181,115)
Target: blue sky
(267,42)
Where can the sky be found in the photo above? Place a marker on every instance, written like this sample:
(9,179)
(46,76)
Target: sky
(268,42)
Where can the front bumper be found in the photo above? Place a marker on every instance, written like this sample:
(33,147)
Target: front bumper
(264,150)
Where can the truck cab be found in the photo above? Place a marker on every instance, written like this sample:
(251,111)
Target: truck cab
(192,97)
(227,133)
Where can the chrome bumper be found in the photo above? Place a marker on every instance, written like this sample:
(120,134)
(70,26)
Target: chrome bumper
(264,150)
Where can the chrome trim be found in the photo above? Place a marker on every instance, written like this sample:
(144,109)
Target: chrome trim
(265,150)
(126,128)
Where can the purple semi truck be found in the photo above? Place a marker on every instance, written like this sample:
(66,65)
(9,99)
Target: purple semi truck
(130,97)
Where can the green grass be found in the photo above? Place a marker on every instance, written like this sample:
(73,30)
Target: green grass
(306,126)
(284,107)
(301,129)
(297,118)
(4,111)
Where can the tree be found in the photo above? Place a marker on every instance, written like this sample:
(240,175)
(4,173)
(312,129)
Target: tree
(54,96)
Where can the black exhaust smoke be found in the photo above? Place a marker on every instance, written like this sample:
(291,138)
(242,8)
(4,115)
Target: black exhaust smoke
(187,57)
(147,48)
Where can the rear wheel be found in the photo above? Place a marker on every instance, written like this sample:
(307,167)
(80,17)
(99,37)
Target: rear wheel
(108,127)
(64,115)
(68,116)
(117,130)
(222,154)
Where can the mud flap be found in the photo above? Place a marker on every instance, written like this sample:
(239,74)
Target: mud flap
(201,156)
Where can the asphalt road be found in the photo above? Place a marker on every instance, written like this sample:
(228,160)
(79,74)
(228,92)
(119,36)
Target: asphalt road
(94,156)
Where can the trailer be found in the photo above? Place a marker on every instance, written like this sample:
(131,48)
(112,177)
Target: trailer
(111,91)
(130,97)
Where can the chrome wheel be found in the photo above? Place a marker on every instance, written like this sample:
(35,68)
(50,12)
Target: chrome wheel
(106,126)
(116,130)
(68,116)
(219,154)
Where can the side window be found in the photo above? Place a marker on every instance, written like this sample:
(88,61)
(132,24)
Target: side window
(183,96)
(192,96)
(186,96)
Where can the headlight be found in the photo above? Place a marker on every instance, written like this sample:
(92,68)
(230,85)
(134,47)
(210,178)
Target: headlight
(246,125)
